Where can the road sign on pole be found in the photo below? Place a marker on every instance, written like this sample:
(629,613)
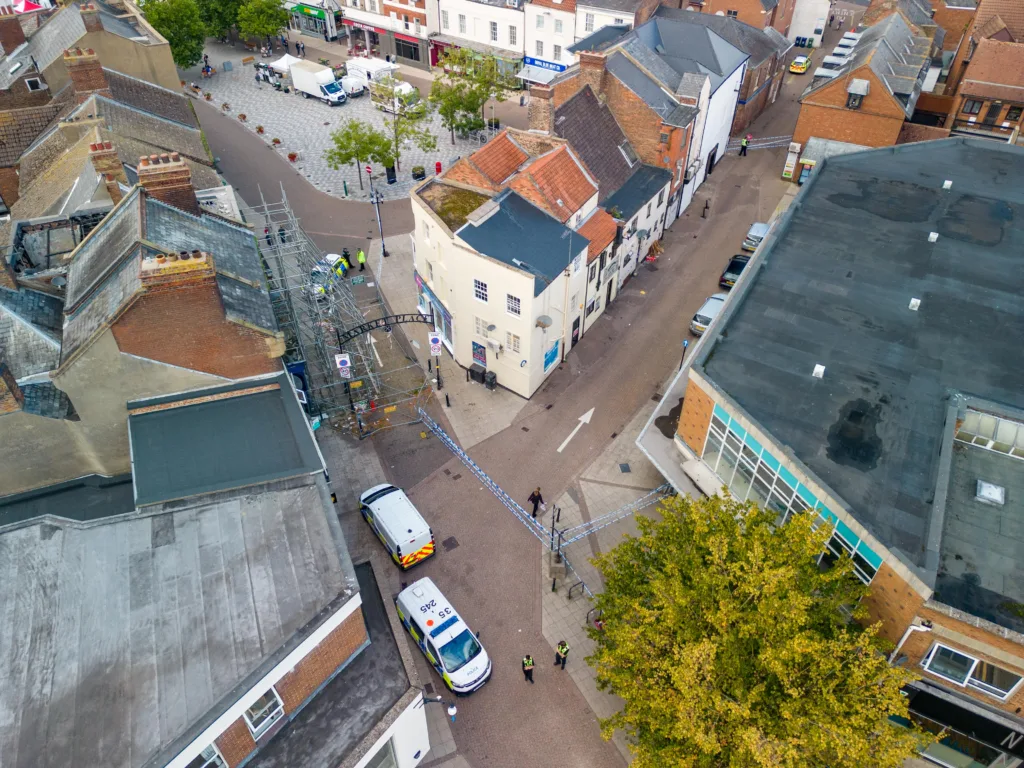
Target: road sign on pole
(435,344)
(344,364)
(369,170)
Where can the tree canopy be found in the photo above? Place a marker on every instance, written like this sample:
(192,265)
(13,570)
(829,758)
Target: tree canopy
(730,647)
(219,15)
(181,24)
(357,142)
(261,18)
(466,81)
(407,122)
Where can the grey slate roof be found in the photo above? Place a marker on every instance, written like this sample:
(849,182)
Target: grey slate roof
(684,47)
(759,44)
(649,91)
(44,399)
(30,329)
(601,39)
(151,98)
(871,429)
(142,626)
(594,135)
(24,126)
(552,245)
(60,32)
(135,123)
(638,191)
(234,442)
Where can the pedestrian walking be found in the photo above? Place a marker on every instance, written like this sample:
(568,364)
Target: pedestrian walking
(268,236)
(840,27)
(528,668)
(744,143)
(361,258)
(303,54)
(831,20)
(281,234)
(561,652)
(206,59)
(284,42)
(536,499)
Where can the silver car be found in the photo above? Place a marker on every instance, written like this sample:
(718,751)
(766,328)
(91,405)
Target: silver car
(707,313)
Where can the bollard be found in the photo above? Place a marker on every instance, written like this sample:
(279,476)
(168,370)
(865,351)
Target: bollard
(707,206)
(553,587)
(447,401)
(345,185)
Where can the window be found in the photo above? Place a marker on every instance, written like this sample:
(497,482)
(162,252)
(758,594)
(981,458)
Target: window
(430,272)
(966,670)
(494,31)
(480,290)
(619,22)
(631,228)
(34,84)
(444,19)
(512,305)
(558,26)
(593,274)
(208,758)
(1013,114)
(588,22)
(732,14)
(575,301)
(557,54)
(649,210)
(576,264)
(540,21)
(512,343)
(539,50)
(480,326)
(462,23)
(853,100)
(593,306)
(373,6)
(385,757)
(663,138)
(406,50)
(511,35)
(426,232)
(629,153)
(263,713)
(661,197)
(972,107)
(405,19)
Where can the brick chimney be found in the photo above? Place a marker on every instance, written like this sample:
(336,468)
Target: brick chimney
(91,18)
(592,70)
(11,33)
(173,270)
(86,72)
(11,399)
(168,179)
(541,112)
(106,162)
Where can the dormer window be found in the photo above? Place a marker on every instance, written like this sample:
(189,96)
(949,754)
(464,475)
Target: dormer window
(853,100)
(855,93)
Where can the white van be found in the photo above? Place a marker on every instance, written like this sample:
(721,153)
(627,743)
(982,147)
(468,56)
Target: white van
(398,524)
(370,69)
(446,641)
(353,86)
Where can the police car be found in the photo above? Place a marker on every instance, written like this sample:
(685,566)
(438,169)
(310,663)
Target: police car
(449,645)
(324,275)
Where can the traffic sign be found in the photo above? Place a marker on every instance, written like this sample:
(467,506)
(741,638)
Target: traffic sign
(369,170)
(344,364)
(435,344)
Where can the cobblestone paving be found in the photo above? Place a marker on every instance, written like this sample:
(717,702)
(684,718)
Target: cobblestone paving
(304,126)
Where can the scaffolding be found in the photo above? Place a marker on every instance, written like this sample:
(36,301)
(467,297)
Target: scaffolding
(317,310)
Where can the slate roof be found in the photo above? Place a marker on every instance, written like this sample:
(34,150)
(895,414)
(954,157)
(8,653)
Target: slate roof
(996,71)
(151,98)
(499,158)
(143,626)
(601,39)
(44,399)
(144,126)
(60,32)
(49,192)
(759,44)
(638,190)
(557,182)
(593,133)
(600,230)
(871,429)
(20,127)
(649,91)
(500,236)
(30,331)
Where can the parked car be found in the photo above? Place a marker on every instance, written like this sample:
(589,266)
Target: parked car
(800,65)
(707,313)
(732,272)
(755,235)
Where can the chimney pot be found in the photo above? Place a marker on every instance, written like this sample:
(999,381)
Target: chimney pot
(164,157)
(175,156)
(107,145)
(172,257)
(197,253)
(154,159)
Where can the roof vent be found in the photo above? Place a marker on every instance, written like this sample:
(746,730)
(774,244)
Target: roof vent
(915,304)
(933,236)
(947,184)
(990,493)
(819,372)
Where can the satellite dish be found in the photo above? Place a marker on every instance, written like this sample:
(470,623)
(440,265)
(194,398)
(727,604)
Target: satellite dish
(544,321)
(59,281)
(492,328)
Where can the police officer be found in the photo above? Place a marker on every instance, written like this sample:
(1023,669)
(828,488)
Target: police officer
(528,668)
(361,258)
(744,143)
(561,652)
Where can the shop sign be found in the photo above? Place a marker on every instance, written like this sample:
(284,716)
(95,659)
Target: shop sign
(305,10)
(408,38)
(360,25)
(549,65)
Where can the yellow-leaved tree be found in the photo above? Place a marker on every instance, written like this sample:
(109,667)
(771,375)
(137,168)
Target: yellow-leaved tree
(731,648)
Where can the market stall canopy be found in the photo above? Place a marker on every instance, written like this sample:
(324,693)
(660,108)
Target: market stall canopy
(284,64)
(532,74)
(26,6)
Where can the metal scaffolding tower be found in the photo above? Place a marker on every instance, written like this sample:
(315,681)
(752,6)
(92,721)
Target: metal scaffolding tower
(319,313)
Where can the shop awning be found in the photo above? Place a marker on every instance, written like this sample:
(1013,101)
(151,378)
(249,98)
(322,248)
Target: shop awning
(532,74)
(487,50)
(25,6)
(284,64)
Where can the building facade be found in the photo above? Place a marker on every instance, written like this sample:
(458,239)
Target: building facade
(594,15)
(399,31)
(990,100)
(550,31)
(491,27)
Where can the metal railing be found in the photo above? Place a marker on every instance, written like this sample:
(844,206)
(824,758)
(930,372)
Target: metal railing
(762,142)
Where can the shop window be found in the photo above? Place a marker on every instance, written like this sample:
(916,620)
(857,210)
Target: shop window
(972,107)
(593,306)
(263,713)
(965,670)
(406,50)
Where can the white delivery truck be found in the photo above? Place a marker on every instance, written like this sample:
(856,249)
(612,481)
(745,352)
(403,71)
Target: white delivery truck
(370,69)
(399,97)
(315,81)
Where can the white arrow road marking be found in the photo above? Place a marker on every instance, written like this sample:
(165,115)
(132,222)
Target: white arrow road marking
(373,343)
(584,419)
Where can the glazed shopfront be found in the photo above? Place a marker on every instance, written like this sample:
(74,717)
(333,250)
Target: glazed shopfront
(315,20)
(368,39)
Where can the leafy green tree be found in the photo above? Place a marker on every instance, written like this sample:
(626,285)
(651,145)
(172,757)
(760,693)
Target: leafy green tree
(468,81)
(219,16)
(356,142)
(261,19)
(405,121)
(731,648)
(181,24)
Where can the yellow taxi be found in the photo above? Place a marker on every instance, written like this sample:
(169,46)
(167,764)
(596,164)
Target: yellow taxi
(800,65)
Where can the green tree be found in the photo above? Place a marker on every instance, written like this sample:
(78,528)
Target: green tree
(470,80)
(356,142)
(219,16)
(731,648)
(261,19)
(405,120)
(181,24)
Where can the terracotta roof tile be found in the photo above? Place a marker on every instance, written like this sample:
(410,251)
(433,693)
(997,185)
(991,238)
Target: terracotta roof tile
(465,172)
(569,6)
(600,230)
(499,158)
(561,180)
(1011,12)
(995,64)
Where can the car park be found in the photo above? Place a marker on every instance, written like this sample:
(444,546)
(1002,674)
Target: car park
(707,313)
(734,269)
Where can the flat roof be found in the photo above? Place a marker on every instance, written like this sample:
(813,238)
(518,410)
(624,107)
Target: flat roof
(238,435)
(122,636)
(833,286)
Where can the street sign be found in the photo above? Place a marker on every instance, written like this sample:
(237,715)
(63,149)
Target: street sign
(358,280)
(369,170)
(344,364)
(356,384)
(435,344)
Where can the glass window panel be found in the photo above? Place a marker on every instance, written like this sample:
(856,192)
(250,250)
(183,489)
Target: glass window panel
(755,446)
(770,460)
(786,475)
(846,533)
(766,474)
(837,545)
(987,425)
(712,450)
(759,492)
(750,455)
(1006,431)
(869,555)
(727,465)
(779,507)
(741,482)
(864,569)
(733,442)
(971,420)
(783,491)
(798,505)
(992,679)
(950,664)
(718,424)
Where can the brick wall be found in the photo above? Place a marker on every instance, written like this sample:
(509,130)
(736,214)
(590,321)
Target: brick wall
(876,123)
(299,684)
(767,77)
(10,393)
(640,123)
(750,11)
(11,33)
(185,326)
(236,743)
(404,10)
(695,417)
(893,602)
(645,10)
(955,21)
(9,185)
(541,111)
(566,89)
(18,95)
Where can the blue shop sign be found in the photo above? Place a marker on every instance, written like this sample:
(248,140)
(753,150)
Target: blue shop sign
(543,64)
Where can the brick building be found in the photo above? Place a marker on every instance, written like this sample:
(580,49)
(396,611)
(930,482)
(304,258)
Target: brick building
(867,101)
(761,14)
(990,100)
(999,20)
(814,392)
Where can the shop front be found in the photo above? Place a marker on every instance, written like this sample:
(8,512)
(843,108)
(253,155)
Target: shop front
(314,20)
(429,304)
(383,43)
(363,38)
(538,71)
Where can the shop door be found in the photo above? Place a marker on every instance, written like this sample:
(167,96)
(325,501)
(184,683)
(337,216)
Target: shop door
(993,113)
(575,332)
(712,157)
(608,294)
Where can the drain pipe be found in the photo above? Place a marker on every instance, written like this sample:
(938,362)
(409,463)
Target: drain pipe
(910,630)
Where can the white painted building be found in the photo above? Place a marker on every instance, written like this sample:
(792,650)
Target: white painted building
(718,119)
(550,31)
(809,20)
(493,27)
(639,205)
(595,14)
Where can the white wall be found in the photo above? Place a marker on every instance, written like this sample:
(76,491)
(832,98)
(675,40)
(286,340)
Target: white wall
(720,113)
(633,250)
(602,18)
(408,735)
(548,36)
(478,19)
(699,122)
(809,15)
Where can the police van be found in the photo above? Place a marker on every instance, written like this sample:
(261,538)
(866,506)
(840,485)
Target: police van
(398,525)
(443,636)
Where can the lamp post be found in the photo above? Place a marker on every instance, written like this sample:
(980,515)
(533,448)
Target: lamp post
(377,198)
(452,709)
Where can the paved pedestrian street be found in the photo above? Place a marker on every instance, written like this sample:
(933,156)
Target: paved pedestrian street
(305,126)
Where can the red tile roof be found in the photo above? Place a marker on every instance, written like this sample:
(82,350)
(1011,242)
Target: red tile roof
(994,66)
(599,229)
(1010,12)
(557,182)
(569,6)
(499,158)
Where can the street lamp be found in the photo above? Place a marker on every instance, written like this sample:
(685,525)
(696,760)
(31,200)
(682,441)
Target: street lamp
(452,709)
(377,198)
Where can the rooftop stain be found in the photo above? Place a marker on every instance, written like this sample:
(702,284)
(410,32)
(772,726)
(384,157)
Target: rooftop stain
(976,220)
(892,200)
(853,439)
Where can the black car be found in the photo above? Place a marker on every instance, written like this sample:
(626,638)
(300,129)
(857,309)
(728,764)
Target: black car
(732,272)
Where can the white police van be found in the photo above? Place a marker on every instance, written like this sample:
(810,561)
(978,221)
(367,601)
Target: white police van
(443,636)
(398,524)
